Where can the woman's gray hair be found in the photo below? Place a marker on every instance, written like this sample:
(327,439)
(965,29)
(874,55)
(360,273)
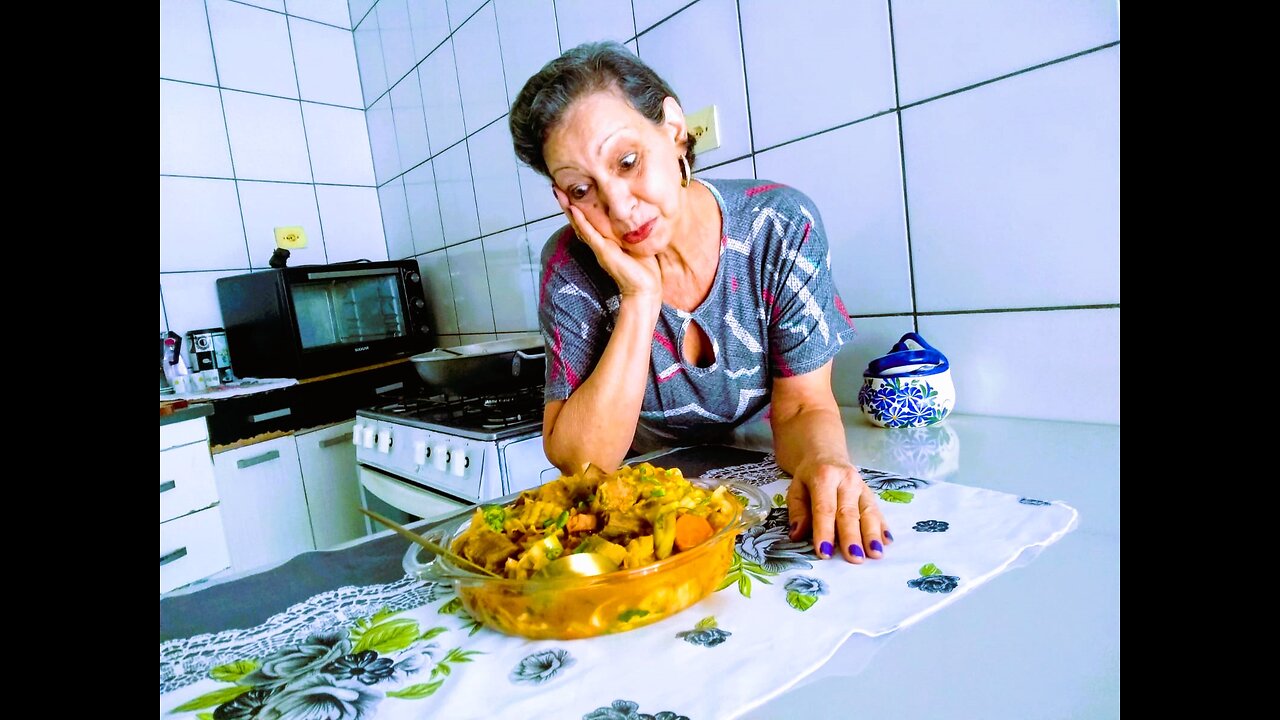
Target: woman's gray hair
(585,69)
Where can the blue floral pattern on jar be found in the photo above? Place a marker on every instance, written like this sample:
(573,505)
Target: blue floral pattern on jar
(903,402)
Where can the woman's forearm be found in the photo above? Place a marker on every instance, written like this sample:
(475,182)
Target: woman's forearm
(597,423)
(809,435)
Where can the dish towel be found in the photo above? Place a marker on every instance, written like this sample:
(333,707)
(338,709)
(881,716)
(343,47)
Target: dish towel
(408,650)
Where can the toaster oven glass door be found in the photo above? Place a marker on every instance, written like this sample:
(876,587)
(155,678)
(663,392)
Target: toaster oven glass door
(349,307)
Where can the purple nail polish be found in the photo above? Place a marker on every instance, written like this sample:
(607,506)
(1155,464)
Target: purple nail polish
(856,550)
(876,546)
(825,548)
(888,536)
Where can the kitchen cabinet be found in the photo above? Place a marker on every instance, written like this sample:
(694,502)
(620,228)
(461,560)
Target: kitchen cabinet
(264,503)
(328,461)
(192,543)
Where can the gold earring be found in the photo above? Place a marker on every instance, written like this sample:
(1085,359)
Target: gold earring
(686,172)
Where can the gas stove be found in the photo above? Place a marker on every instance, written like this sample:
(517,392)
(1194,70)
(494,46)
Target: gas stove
(423,456)
(483,417)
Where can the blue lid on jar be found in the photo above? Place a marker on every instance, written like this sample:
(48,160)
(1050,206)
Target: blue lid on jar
(904,361)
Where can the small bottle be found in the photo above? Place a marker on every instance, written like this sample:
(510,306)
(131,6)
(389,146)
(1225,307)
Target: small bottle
(175,366)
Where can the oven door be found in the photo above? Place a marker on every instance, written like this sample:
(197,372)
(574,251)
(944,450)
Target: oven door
(401,500)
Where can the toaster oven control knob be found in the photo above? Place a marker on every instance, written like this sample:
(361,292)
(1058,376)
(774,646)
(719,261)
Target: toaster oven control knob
(356,432)
(414,277)
(460,461)
(366,437)
(419,452)
(384,441)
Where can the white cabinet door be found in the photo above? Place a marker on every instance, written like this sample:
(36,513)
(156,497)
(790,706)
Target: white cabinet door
(333,487)
(263,504)
(192,547)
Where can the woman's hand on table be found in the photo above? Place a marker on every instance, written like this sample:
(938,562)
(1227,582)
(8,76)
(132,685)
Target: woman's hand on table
(832,501)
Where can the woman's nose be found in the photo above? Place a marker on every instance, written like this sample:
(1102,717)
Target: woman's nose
(618,198)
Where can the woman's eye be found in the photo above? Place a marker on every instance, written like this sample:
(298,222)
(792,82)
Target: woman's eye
(578,192)
(629,161)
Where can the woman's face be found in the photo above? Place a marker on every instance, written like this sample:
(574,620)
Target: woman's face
(620,169)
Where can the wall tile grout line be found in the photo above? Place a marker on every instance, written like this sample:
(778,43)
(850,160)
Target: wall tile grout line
(262,94)
(524,211)
(902,168)
(419,61)
(306,141)
(262,180)
(1045,308)
(636,25)
(1015,73)
(746,85)
(466,139)
(226,127)
(286,13)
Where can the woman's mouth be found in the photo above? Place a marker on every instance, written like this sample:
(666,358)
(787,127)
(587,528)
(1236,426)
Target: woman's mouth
(640,234)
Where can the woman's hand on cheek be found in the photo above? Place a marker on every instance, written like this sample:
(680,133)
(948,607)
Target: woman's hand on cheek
(831,501)
(638,276)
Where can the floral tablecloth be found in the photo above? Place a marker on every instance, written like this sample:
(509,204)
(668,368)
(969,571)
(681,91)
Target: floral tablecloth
(406,649)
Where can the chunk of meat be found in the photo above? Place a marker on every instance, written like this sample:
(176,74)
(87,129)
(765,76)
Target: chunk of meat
(617,495)
(581,522)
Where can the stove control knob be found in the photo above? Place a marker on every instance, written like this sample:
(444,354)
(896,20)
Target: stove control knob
(440,457)
(366,437)
(384,440)
(419,452)
(356,432)
(460,461)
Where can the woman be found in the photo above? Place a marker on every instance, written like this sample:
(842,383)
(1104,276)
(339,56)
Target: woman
(684,308)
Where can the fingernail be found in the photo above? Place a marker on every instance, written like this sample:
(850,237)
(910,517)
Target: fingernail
(856,550)
(888,536)
(876,546)
(825,549)
(794,525)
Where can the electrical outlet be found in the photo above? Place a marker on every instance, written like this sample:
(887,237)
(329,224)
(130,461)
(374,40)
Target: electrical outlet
(704,126)
(291,238)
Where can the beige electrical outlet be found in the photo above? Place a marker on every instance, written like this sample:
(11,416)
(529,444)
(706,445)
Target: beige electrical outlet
(291,237)
(704,126)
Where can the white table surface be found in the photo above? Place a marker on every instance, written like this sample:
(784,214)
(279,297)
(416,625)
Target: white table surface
(1039,641)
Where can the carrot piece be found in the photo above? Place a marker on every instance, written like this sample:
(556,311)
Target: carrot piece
(691,530)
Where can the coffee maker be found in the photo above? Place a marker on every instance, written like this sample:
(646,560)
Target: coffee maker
(208,350)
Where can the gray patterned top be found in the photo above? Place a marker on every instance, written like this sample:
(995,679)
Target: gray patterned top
(773,311)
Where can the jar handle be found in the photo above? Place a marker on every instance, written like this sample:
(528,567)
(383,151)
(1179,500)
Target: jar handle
(915,337)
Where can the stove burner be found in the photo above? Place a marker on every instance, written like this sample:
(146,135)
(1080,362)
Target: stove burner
(495,411)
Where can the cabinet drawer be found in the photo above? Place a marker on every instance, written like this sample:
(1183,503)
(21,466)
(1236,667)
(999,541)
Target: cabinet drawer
(183,433)
(186,480)
(192,547)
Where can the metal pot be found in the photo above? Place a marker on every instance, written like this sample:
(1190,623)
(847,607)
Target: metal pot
(501,365)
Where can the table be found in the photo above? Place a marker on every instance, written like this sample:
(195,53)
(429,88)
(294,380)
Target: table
(1038,641)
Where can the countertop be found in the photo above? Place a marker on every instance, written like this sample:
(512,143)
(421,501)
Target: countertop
(1040,641)
(190,412)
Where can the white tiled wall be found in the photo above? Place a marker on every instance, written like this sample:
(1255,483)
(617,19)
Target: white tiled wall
(982,212)
(262,124)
